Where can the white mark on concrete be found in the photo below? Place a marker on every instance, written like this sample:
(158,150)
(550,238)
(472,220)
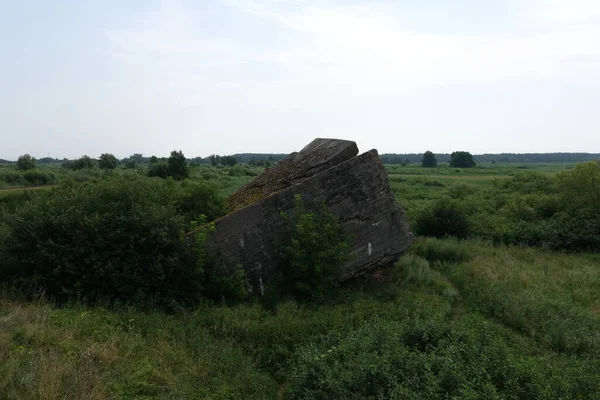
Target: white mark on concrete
(377,223)
(242,243)
(262,287)
(370,248)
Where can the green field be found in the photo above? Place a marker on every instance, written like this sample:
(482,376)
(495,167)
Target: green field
(507,312)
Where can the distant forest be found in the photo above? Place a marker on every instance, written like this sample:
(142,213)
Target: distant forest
(387,158)
(414,158)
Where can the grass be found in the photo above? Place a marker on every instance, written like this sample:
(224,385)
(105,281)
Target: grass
(498,169)
(76,352)
(551,298)
(537,312)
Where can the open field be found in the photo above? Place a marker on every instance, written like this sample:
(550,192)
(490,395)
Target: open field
(495,315)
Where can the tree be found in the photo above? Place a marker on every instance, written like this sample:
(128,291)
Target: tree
(429,160)
(228,160)
(134,161)
(178,167)
(26,162)
(215,160)
(84,162)
(108,161)
(462,159)
(153,160)
(314,249)
(138,158)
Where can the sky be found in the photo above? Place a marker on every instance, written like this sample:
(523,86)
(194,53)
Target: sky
(231,76)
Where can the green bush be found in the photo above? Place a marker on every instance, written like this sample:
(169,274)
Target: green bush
(116,240)
(578,230)
(461,191)
(431,359)
(196,199)
(415,270)
(225,286)
(84,162)
(159,169)
(580,186)
(313,251)
(13,178)
(11,200)
(26,162)
(178,167)
(239,170)
(462,159)
(36,177)
(527,182)
(108,161)
(86,175)
(436,250)
(444,218)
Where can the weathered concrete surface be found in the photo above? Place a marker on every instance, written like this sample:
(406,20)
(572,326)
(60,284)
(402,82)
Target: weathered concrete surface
(318,156)
(355,190)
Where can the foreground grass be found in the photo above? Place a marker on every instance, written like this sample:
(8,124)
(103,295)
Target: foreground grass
(80,353)
(451,320)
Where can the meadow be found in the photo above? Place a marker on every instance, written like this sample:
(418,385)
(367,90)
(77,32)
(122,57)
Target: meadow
(497,299)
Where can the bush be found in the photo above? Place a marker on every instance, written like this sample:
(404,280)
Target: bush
(578,230)
(26,162)
(431,359)
(436,250)
(313,252)
(416,270)
(580,187)
(196,199)
(12,200)
(13,178)
(84,162)
(444,218)
(239,170)
(461,191)
(37,177)
(116,240)
(527,182)
(159,169)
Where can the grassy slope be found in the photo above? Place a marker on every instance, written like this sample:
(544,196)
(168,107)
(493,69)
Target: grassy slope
(533,312)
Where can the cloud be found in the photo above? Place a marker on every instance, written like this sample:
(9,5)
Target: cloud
(342,58)
(360,46)
(569,12)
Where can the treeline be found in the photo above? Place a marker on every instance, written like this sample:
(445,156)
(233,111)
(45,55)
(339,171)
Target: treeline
(386,158)
(247,158)
(217,159)
(416,158)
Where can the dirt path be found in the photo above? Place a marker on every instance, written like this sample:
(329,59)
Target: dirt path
(14,189)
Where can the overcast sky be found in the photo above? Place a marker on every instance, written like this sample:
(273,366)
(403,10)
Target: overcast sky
(226,76)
